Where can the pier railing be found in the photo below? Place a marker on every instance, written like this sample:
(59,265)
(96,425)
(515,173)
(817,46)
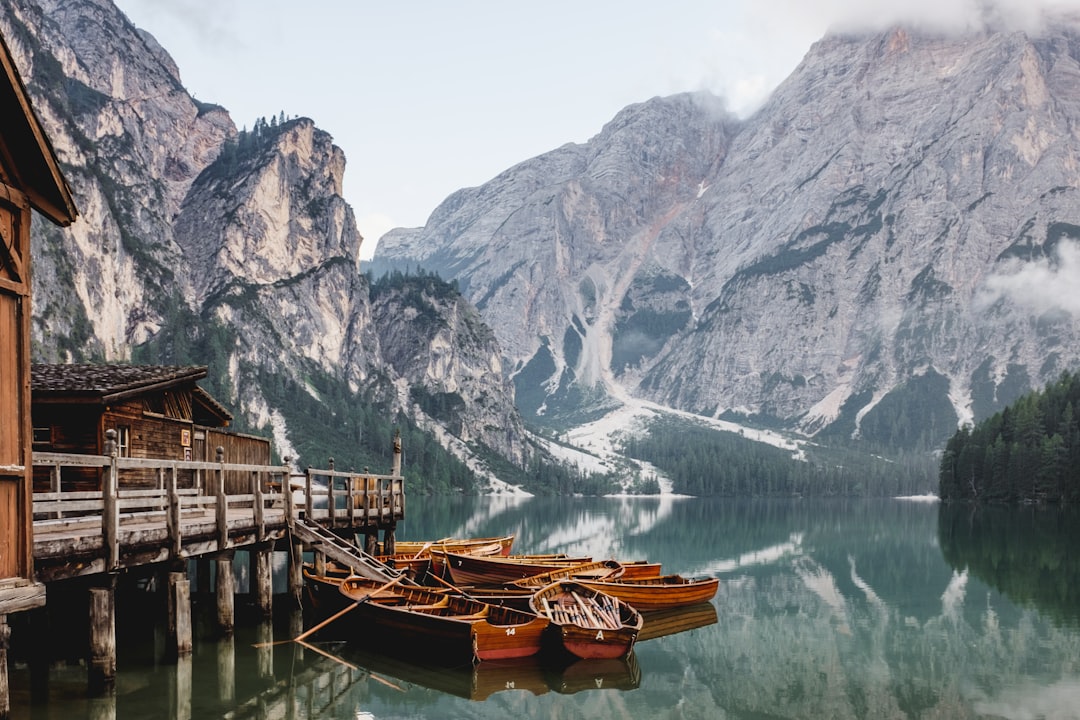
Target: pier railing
(192,500)
(350,499)
(187,494)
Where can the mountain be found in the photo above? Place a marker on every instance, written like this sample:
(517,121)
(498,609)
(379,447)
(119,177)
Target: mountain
(881,251)
(885,249)
(199,242)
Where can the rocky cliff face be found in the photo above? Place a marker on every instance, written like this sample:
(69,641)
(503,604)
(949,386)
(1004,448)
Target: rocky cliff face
(863,248)
(199,243)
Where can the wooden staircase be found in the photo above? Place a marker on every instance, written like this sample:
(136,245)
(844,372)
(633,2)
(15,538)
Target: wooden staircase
(345,553)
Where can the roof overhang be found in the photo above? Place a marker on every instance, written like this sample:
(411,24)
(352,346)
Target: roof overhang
(73,384)
(29,156)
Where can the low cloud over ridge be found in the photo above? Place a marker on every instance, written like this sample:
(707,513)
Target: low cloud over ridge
(1041,285)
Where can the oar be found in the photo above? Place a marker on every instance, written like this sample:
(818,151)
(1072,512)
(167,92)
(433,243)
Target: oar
(421,550)
(336,615)
(454,587)
(458,590)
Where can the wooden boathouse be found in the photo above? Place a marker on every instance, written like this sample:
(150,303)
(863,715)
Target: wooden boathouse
(102,516)
(29,178)
(111,471)
(156,411)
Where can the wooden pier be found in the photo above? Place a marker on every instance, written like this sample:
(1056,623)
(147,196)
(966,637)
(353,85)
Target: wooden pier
(202,512)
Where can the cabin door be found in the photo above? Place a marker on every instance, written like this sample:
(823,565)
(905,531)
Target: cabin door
(15,457)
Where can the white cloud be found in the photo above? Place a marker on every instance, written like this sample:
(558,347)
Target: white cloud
(942,15)
(1040,285)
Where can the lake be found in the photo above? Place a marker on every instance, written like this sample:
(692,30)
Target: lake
(826,609)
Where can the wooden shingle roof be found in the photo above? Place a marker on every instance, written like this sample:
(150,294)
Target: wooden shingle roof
(106,383)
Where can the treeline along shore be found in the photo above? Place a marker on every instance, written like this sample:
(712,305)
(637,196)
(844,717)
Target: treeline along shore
(1027,453)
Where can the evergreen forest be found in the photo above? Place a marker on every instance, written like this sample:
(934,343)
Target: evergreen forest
(1027,453)
(704,461)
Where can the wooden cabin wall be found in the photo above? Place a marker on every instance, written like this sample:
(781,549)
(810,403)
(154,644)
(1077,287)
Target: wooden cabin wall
(11,473)
(16,561)
(150,436)
(239,449)
(71,429)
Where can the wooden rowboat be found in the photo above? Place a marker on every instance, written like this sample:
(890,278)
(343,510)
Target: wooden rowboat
(657,593)
(323,591)
(467,569)
(599,570)
(587,623)
(444,626)
(633,569)
(412,547)
(518,593)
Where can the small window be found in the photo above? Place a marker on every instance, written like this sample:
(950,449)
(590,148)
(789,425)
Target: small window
(43,436)
(123,441)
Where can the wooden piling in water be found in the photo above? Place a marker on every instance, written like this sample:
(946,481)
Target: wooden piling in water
(296,571)
(5,692)
(262,580)
(101,670)
(179,610)
(389,539)
(226,594)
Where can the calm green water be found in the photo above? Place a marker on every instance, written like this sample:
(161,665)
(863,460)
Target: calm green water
(885,609)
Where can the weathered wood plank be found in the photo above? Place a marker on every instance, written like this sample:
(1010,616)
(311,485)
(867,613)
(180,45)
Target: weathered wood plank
(70,459)
(19,595)
(67,496)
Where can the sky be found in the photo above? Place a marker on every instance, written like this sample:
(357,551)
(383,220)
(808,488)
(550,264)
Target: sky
(426,98)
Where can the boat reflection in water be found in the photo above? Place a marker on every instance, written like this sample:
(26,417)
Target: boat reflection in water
(537,675)
(660,623)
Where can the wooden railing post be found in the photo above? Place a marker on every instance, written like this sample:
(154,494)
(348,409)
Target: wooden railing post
(286,487)
(110,516)
(365,502)
(55,485)
(222,509)
(330,500)
(172,519)
(257,492)
(396,470)
(308,502)
(350,499)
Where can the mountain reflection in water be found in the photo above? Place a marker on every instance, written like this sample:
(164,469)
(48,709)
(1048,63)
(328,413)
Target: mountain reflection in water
(841,609)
